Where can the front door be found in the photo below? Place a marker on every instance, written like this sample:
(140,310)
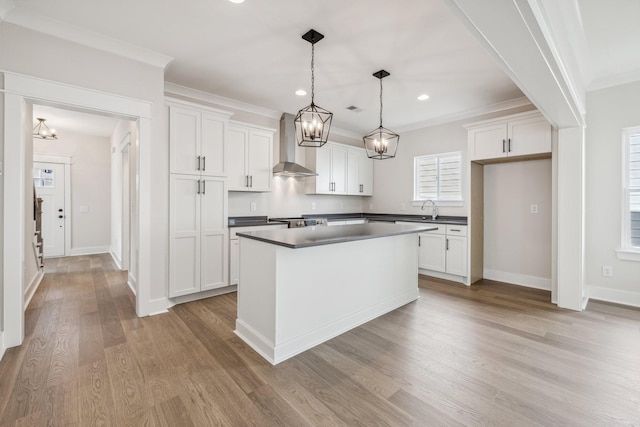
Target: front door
(48,179)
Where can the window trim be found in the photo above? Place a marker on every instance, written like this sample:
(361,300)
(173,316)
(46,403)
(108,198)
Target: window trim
(449,202)
(626,251)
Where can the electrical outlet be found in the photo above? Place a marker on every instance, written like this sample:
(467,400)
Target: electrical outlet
(341,205)
(253,206)
(313,206)
(534,209)
(607,271)
(403,207)
(371,206)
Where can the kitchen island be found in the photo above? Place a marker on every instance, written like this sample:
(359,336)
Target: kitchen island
(301,287)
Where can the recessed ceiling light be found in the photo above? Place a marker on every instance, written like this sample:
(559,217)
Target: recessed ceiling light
(301,92)
(423,97)
(237,1)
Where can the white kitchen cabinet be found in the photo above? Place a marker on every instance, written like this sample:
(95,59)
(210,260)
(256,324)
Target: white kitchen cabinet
(359,172)
(198,257)
(443,250)
(197,140)
(518,135)
(250,157)
(234,248)
(330,163)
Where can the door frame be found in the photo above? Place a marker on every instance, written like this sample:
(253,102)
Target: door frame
(66,161)
(125,198)
(20,89)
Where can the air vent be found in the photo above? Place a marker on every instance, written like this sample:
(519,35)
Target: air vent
(354,109)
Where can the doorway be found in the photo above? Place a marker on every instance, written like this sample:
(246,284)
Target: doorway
(51,185)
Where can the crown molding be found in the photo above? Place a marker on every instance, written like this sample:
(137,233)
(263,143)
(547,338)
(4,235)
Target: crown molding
(475,112)
(614,80)
(6,6)
(83,37)
(172,89)
(346,133)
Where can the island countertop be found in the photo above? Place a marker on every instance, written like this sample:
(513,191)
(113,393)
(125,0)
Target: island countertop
(296,238)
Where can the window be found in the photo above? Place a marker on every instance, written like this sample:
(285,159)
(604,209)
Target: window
(631,189)
(438,177)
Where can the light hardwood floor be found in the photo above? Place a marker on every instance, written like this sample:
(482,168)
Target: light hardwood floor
(492,354)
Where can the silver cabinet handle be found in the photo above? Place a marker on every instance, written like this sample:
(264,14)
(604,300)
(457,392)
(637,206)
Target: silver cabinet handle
(251,181)
(419,240)
(198,162)
(246,180)
(503,142)
(447,244)
(455,229)
(204,186)
(509,145)
(204,163)
(198,187)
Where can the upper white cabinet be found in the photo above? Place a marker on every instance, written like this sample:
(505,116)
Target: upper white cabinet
(197,140)
(518,135)
(250,157)
(330,163)
(359,172)
(341,169)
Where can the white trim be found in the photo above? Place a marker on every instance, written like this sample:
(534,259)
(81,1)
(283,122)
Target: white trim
(90,250)
(38,89)
(626,251)
(157,306)
(456,203)
(251,126)
(115,258)
(446,276)
(18,89)
(475,112)
(6,6)
(614,295)
(50,158)
(614,80)
(628,254)
(201,295)
(81,36)
(32,288)
(535,282)
(131,282)
(500,120)
(175,102)
(3,348)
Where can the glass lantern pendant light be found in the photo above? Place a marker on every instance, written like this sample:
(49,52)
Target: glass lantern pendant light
(381,143)
(42,131)
(312,122)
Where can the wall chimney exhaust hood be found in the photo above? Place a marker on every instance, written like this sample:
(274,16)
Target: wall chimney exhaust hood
(288,165)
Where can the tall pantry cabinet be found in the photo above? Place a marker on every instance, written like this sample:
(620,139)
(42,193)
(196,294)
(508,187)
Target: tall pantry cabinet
(198,252)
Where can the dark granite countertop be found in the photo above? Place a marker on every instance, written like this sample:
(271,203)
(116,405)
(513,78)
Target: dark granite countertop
(296,238)
(426,219)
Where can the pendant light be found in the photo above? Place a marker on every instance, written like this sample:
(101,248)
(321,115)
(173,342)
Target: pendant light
(42,131)
(312,122)
(381,143)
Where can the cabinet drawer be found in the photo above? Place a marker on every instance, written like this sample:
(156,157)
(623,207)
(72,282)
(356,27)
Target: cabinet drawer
(456,230)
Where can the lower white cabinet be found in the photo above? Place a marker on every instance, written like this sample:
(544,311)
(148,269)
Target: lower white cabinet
(444,249)
(234,248)
(198,257)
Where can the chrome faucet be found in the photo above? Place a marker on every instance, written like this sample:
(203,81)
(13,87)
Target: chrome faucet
(434,211)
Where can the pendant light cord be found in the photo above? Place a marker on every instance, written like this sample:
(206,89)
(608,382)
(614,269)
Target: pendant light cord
(380,102)
(312,71)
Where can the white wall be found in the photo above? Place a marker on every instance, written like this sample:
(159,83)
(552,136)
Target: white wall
(608,111)
(90,187)
(517,243)
(31,269)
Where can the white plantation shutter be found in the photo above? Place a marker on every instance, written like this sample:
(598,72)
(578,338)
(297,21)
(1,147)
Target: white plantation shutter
(634,190)
(438,177)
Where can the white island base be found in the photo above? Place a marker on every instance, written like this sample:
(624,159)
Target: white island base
(290,300)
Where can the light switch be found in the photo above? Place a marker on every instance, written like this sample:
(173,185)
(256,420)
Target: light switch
(534,209)
(313,206)
(84,209)
(253,206)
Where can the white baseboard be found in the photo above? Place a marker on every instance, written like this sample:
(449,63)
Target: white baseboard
(614,295)
(445,276)
(158,306)
(3,348)
(90,250)
(202,295)
(518,279)
(133,283)
(32,288)
(279,352)
(116,259)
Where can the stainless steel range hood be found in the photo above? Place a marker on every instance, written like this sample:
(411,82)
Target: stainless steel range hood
(288,165)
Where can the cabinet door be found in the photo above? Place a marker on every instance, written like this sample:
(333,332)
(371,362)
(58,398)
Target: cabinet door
(323,169)
(213,147)
(259,161)
(365,173)
(529,136)
(353,172)
(237,140)
(234,264)
(213,232)
(488,142)
(184,140)
(457,255)
(184,244)
(339,170)
(431,251)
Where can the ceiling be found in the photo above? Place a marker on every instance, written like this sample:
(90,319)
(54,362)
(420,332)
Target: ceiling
(63,121)
(253,52)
